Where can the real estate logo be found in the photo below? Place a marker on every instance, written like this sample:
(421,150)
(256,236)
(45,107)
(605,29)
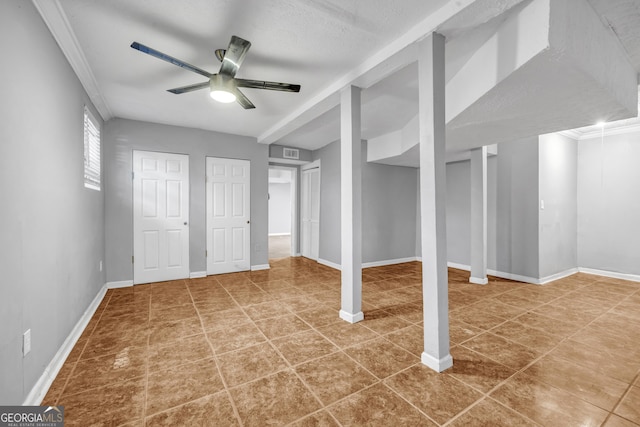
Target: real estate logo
(31,416)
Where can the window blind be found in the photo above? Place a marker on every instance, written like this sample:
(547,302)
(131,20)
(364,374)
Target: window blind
(91,151)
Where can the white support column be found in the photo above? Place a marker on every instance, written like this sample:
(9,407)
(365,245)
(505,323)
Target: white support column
(479,216)
(351,204)
(431,81)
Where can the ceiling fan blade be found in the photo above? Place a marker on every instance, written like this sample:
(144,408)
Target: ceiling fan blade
(259,84)
(234,56)
(243,100)
(189,88)
(169,59)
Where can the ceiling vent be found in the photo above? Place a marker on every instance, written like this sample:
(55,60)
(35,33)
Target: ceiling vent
(290,153)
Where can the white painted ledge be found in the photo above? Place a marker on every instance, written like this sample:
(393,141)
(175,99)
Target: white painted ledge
(437,365)
(352,318)
(260,267)
(478,281)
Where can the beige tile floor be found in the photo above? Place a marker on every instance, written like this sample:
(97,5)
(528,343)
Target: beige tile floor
(268,348)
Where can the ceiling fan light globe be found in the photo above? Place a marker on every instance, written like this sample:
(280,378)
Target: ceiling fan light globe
(222,96)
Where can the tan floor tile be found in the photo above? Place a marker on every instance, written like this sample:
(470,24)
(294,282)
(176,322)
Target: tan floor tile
(489,413)
(506,352)
(558,310)
(345,334)
(438,395)
(527,336)
(249,364)
(517,301)
(319,419)
(381,357)
(223,319)
(460,332)
(57,386)
(497,308)
(548,325)
(181,384)
(178,352)
(410,338)
(600,360)
(546,404)
(115,341)
(616,421)
(477,370)
(129,363)
(629,407)
(176,312)
(210,410)
(282,326)
(304,346)
(275,400)
(265,310)
(378,406)
(114,404)
(235,338)
(411,312)
(383,322)
(477,317)
(161,333)
(588,385)
(334,377)
(298,304)
(320,316)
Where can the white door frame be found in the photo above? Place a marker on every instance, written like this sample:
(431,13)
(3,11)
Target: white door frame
(182,223)
(295,251)
(308,166)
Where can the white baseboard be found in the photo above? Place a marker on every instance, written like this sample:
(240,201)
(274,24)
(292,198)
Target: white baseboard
(41,387)
(352,318)
(496,273)
(437,365)
(478,280)
(279,234)
(558,276)
(120,284)
(197,274)
(458,266)
(297,254)
(260,267)
(329,264)
(388,262)
(612,274)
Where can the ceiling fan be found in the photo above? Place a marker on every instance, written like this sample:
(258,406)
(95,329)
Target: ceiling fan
(224,85)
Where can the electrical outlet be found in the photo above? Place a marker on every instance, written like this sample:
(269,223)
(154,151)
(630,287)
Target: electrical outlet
(26,342)
(100,265)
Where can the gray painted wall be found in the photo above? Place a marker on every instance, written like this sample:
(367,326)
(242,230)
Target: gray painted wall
(512,206)
(388,208)
(609,203)
(517,208)
(329,156)
(51,227)
(121,137)
(559,191)
(279,208)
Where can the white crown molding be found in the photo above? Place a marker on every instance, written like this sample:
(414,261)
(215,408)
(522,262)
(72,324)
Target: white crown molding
(571,133)
(612,131)
(55,18)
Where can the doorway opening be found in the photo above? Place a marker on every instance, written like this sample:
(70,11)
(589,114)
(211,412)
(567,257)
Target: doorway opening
(282,212)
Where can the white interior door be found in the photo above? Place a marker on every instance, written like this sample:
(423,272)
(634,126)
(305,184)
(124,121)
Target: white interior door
(310,212)
(160,216)
(228,215)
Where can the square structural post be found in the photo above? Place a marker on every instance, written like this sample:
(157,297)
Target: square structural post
(351,204)
(433,203)
(479,216)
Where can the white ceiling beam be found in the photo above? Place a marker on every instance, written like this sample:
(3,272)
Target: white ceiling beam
(393,57)
(55,18)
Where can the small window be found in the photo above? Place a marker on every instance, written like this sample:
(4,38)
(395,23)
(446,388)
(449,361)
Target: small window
(91,151)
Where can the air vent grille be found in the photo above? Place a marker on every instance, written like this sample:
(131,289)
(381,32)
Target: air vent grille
(291,153)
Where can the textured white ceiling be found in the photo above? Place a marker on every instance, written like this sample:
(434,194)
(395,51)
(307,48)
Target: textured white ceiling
(309,42)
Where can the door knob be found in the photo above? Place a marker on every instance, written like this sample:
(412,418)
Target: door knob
(185,223)
(248,222)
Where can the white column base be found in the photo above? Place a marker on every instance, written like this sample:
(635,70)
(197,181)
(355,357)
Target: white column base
(437,365)
(478,281)
(352,318)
